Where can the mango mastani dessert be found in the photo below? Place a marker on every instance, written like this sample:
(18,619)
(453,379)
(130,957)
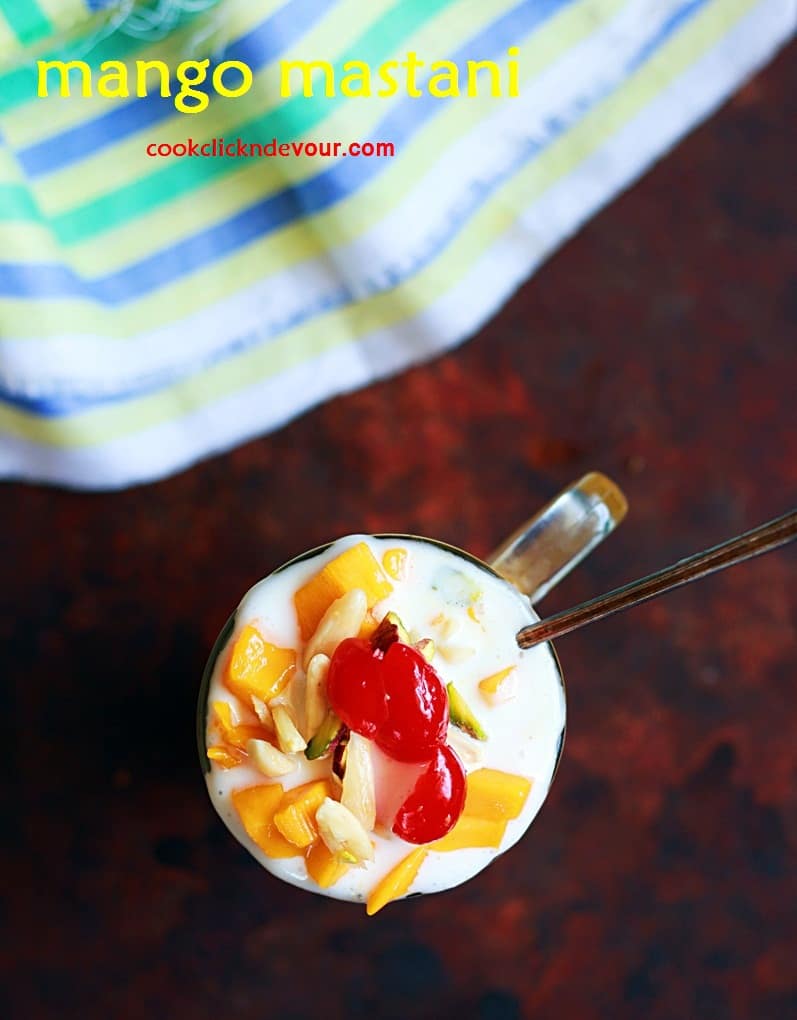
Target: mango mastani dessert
(371,728)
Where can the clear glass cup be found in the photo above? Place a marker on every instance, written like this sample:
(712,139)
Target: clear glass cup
(535,558)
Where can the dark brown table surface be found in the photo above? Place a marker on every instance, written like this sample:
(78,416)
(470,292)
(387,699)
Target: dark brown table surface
(659,880)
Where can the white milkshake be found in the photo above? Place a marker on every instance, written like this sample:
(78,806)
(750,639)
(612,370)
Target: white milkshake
(463,620)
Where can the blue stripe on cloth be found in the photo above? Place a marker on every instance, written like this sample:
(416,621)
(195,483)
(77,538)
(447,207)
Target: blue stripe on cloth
(676,19)
(65,404)
(257,48)
(278,210)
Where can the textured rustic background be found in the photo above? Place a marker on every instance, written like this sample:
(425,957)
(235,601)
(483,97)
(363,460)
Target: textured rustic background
(659,880)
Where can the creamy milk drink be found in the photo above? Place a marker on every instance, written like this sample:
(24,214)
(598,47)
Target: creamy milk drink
(370,726)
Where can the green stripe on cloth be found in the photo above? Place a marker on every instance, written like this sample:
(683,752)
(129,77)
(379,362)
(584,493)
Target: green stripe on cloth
(342,326)
(27,20)
(16,203)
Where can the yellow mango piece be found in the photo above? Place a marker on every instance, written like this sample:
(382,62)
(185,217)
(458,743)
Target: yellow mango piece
(295,817)
(324,867)
(397,882)
(474,615)
(225,757)
(495,795)
(232,734)
(472,832)
(257,667)
(256,806)
(492,684)
(354,568)
(395,563)
(370,623)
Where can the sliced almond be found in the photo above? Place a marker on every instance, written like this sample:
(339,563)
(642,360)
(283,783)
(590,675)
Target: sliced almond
(263,713)
(445,625)
(342,833)
(470,751)
(456,653)
(359,791)
(289,738)
(342,620)
(315,694)
(268,760)
(426,647)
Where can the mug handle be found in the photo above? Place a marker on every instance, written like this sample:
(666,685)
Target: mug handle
(547,547)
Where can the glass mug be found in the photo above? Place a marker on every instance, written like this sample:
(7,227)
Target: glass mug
(532,560)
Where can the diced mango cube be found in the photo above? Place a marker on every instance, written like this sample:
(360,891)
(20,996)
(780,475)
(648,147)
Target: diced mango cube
(225,757)
(256,806)
(493,686)
(236,735)
(324,867)
(257,667)
(395,563)
(354,568)
(295,817)
(495,795)
(472,832)
(397,882)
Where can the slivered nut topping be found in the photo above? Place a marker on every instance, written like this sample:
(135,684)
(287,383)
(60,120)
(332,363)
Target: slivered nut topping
(445,625)
(315,699)
(426,647)
(457,653)
(268,759)
(343,834)
(470,750)
(263,713)
(342,620)
(289,738)
(359,792)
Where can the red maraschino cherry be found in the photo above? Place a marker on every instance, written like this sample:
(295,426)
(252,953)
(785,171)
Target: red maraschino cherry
(355,688)
(436,802)
(396,698)
(417,706)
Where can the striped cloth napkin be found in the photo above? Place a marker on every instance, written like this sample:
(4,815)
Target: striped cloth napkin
(154,311)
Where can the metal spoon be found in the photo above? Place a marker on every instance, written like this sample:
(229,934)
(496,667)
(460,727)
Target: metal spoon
(751,543)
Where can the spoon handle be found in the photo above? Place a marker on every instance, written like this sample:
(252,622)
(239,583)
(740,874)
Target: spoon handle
(751,543)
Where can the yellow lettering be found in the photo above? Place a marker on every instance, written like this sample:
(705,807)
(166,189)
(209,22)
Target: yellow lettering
(514,72)
(447,71)
(112,84)
(474,66)
(412,64)
(306,68)
(63,68)
(143,67)
(246,79)
(200,67)
(356,71)
(386,75)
